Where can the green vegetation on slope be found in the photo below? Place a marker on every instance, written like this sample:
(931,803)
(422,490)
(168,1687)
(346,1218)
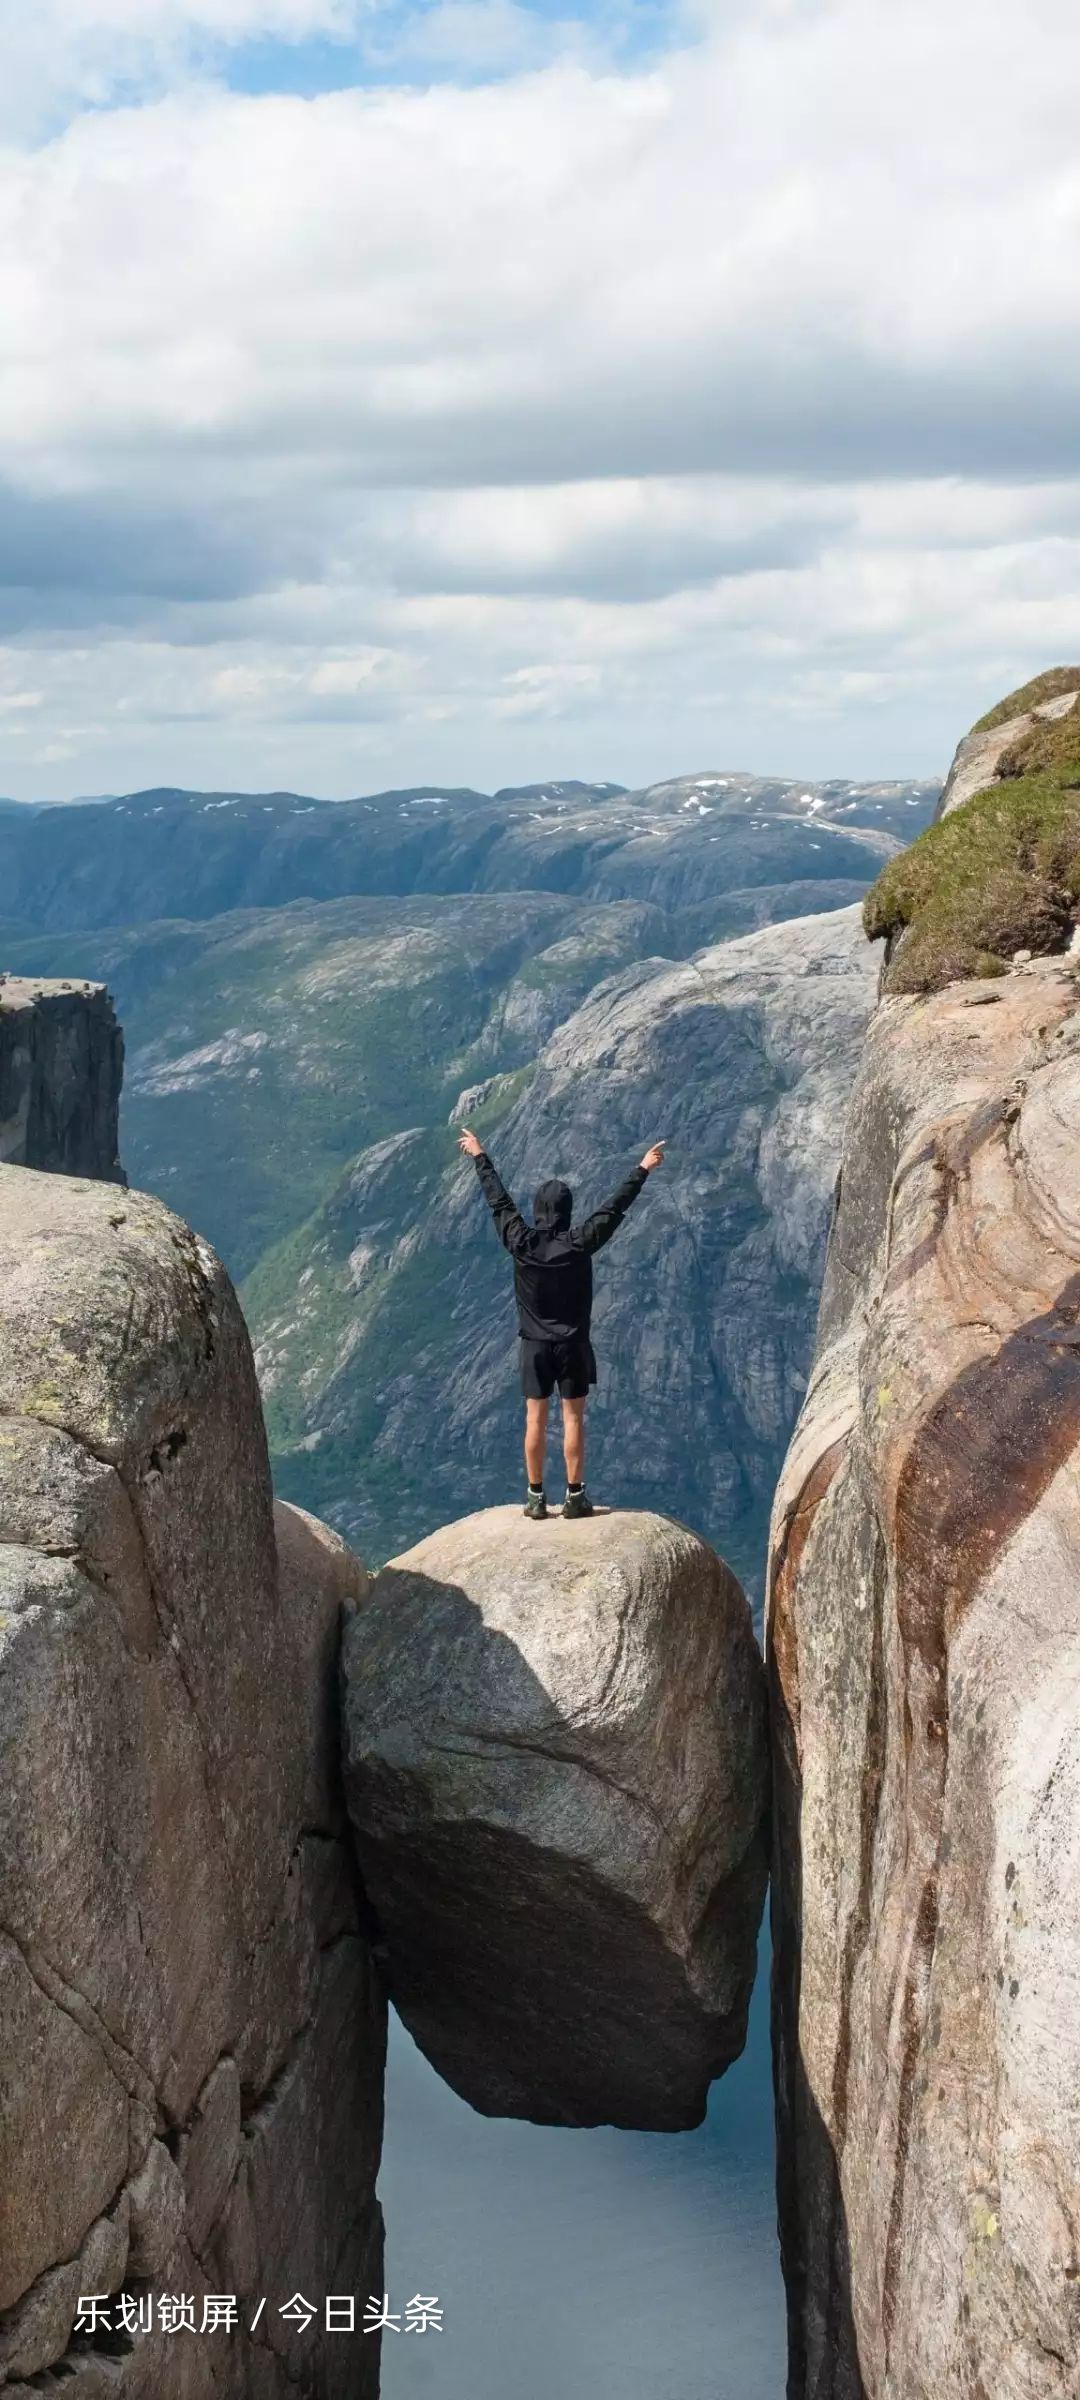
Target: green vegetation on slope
(1049,686)
(291,1070)
(489,1115)
(349,1303)
(268,1049)
(997,875)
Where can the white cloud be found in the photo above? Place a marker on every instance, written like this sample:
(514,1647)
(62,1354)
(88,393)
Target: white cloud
(348,678)
(751,379)
(64,55)
(794,245)
(474,37)
(60,55)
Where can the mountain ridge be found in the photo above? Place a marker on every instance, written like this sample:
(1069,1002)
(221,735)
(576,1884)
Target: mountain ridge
(167,853)
(295,1059)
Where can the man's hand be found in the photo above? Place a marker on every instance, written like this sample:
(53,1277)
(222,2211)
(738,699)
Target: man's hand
(653,1158)
(467,1142)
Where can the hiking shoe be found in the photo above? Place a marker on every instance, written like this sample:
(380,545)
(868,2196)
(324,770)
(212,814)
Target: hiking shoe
(578,1504)
(536,1505)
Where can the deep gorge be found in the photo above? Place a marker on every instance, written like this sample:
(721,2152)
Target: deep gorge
(197,1947)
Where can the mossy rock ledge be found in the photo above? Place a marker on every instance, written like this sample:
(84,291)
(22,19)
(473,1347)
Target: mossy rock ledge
(999,872)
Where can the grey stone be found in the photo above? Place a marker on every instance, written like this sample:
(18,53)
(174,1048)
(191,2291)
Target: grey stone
(61,1066)
(479,1095)
(39,2329)
(924,1633)
(173,1963)
(208,2153)
(556,1771)
(158,2203)
(323,1581)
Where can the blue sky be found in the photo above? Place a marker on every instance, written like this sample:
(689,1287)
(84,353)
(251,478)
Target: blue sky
(416,44)
(484,391)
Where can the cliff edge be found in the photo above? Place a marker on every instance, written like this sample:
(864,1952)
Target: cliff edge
(924,1661)
(191,2088)
(998,876)
(61,1067)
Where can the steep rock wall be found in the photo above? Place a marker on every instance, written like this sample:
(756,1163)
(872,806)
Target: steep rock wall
(190,2091)
(61,1066)
(395,1303)
(924,1657)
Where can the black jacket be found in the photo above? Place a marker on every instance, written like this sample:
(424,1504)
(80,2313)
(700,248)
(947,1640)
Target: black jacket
(553,1258)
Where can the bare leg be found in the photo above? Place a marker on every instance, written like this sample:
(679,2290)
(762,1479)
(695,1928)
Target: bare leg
(536,1424)
(573,1439)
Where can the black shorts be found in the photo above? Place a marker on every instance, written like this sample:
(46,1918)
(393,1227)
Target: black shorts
(571,1365)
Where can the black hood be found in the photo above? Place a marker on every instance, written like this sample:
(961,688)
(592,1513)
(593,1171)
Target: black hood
(553,1208)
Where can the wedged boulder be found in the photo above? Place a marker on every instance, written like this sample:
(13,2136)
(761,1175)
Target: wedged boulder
(556,1772)
(191,2079)
(924,1652)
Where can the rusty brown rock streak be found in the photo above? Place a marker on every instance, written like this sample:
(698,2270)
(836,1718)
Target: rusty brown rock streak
(787,1558)
(873,1772)
(978,1465)
(953,1156)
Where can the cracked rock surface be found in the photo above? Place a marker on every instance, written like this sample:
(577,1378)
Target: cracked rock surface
(924,1652)
(556,1771)
(190,2089)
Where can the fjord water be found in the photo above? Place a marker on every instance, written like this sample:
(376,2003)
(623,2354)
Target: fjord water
(583,2266)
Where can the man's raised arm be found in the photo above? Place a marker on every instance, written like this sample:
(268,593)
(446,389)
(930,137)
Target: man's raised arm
(598,1229)
(509,1223)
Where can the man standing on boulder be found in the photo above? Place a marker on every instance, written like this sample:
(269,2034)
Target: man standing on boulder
(553,1284)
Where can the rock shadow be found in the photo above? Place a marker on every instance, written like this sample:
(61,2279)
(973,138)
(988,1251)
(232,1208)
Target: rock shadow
(815,2247)
(516,1858)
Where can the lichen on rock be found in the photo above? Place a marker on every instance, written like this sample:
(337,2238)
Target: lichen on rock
(556,1770)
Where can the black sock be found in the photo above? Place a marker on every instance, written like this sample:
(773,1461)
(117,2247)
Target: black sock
(536,1489)
(575,1487)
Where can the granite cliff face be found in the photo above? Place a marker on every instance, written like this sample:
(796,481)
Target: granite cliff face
(557,1773)
(394,1305)
(266,1049)
(293,1067)
(924,1655)
(190,2097)
(61,1065)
